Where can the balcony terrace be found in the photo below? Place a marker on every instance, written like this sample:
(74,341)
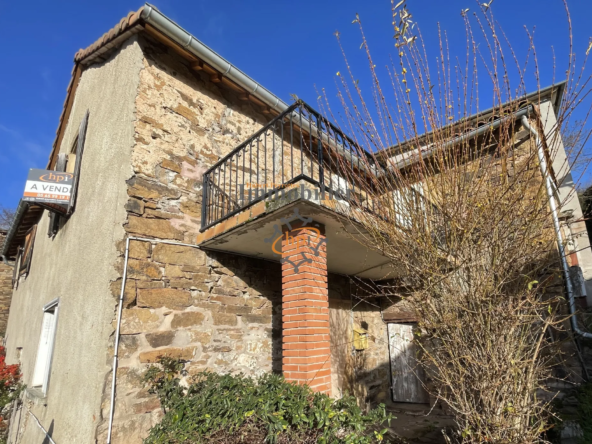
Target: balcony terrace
(298,164)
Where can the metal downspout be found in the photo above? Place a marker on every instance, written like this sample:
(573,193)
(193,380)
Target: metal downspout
(116,348)
(5,261)
(117,330)
(553,205)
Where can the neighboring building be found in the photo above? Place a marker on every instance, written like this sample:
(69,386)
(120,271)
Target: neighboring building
(165,138)
(5,288)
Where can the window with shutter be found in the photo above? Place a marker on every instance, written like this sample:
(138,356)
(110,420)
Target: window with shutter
(72,157)
(77,158)
(25,264)
(42,369)
(15,270)
(69,162)
(54,218)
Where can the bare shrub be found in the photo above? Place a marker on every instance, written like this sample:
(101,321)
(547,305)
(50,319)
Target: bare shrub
(465,220)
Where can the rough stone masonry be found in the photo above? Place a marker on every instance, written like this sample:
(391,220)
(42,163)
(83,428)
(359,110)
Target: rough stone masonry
(5,289)
(220,312)
(213,310)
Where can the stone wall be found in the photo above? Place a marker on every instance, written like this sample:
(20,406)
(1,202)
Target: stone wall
(185,123)
(222,313)
(363,373)
(214,310)
(5,289)
(218,311)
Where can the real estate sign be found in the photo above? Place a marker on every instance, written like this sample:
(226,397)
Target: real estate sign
(51,189)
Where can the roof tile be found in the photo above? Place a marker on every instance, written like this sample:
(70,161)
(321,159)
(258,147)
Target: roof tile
(124,24)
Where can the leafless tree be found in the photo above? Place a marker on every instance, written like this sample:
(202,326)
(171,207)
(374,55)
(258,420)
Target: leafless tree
(6,217)
(465,221)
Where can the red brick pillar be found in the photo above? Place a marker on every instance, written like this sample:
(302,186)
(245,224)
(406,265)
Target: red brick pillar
(306,357)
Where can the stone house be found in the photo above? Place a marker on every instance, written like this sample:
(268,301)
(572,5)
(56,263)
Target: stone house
(185,168)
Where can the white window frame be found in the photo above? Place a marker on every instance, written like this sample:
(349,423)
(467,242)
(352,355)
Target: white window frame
(42,369)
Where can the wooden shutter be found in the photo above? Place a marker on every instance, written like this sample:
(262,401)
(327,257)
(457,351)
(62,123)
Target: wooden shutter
(54,218)
(79,152)
(406,374)
(15,270)
(28,250)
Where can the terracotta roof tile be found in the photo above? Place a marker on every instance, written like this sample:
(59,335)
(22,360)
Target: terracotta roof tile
(124,24)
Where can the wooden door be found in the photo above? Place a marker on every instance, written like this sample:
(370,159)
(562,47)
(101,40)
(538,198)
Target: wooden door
(342,370)
(406,374)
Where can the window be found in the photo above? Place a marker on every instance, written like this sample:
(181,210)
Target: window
(54,217)
(405,200)
(45,349)
(17,267)
(69,162)
(75,157)
(27,254)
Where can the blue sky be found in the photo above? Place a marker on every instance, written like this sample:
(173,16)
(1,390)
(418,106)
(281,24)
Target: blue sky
(287,46)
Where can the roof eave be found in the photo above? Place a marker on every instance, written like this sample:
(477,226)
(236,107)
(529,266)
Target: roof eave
(148,16)
(553,92)
(24,210)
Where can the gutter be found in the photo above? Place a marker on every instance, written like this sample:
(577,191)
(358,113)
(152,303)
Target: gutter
(553,205)
(536,97)
(155,18)
(411,159)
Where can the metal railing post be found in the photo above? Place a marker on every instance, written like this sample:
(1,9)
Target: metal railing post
(309,124)
(204,201)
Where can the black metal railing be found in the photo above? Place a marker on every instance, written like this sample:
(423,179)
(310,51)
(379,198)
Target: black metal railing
(298,145)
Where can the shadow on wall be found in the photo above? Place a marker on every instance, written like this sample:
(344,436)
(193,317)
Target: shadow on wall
(362,373)
(262,279)
(49,434)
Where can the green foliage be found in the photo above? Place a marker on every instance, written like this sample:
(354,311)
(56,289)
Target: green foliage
(236,409)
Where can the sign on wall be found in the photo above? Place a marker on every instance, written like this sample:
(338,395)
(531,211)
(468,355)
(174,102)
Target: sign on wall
(51,189)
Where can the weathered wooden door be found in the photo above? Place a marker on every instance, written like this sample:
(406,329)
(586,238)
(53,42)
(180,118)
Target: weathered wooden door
(342,370)
(405,371)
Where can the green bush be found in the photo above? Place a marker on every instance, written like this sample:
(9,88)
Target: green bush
(236,409)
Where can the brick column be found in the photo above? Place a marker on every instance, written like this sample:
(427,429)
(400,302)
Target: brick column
(306,357)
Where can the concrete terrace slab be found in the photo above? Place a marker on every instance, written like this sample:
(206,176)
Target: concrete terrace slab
(246,232)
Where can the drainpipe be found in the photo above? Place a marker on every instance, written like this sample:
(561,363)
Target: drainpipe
(5,261)
(116,348)
(553,205)
(47,435)
(118,329)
